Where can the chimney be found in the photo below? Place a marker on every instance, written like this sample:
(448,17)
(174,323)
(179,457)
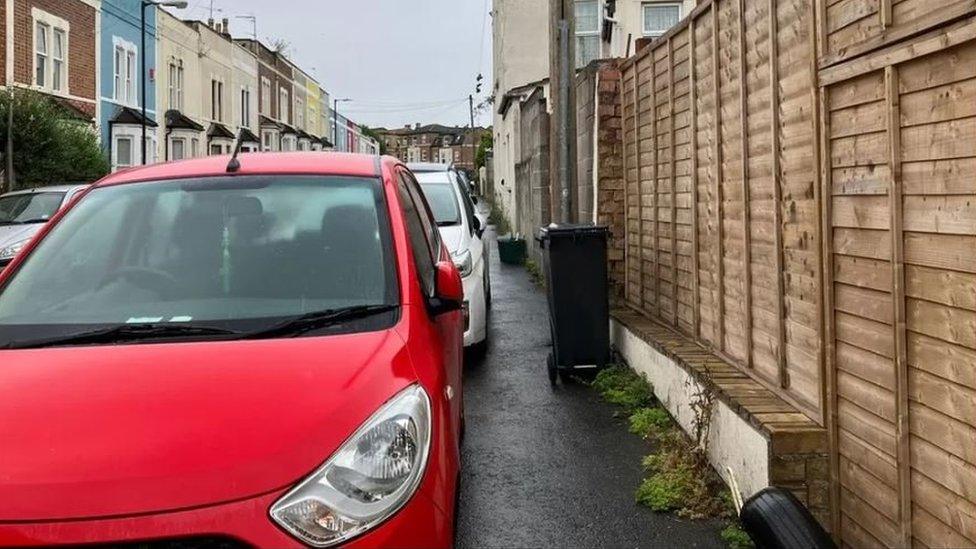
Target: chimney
(416,126)
(407,126)
(210,22)
(226,27)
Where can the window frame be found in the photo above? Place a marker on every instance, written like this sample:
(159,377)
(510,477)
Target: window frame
(411,200)
(49,25)
(643,18)
(265,99)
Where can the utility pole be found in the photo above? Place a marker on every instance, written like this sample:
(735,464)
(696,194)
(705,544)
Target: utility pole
(562,129)
(471,130)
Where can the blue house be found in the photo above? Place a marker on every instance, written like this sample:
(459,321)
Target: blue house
(121,76)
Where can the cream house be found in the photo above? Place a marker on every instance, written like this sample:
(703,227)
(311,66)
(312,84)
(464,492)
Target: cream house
(178,82)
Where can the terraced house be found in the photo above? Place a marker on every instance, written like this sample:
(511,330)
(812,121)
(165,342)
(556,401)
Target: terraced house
(124,69)
(51,46)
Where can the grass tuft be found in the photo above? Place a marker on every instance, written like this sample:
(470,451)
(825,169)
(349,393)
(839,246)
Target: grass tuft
(650,422)
(737,538)
(535,273)
(624,387)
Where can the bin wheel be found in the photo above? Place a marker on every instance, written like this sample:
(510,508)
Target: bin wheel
(551,369)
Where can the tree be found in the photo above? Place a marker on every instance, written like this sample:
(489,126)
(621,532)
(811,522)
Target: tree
(487,142)
(49,147)
(370,132)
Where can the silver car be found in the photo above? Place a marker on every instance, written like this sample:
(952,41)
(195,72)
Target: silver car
(24,213)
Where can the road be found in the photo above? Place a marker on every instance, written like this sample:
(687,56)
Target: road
(544,467)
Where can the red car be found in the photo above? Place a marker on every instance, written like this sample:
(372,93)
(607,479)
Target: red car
(256,353)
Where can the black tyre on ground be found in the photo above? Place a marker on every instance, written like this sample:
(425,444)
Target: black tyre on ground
(551,369)
(775,519)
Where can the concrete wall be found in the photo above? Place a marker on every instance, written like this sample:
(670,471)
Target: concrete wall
(532,172)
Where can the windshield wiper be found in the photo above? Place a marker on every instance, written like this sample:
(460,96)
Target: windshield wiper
(124,332)
(320,319)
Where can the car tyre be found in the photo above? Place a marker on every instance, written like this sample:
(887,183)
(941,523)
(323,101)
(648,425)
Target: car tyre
(552,370)
(774,518)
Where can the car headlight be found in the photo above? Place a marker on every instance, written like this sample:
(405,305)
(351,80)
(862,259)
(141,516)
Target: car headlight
(12,250)
(464,262)
(367,480)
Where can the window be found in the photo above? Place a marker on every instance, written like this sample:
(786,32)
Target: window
(245,107)
(216,149)
(267,141)
(41,34)
(57,61)
(299,113)
(125,66)
(176,85)
(284,105)
(194,147)
(50,57)
(177,149)
(658,18)
(330,237)
(216,100)
(414,212)
(123,152)
(265,96)
(587,31)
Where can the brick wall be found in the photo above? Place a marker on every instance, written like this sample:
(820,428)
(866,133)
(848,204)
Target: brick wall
(81,50)
(609,197)
(804,472)
(3,42)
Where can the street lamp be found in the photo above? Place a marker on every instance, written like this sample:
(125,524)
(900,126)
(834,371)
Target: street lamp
(178,4)
(335,117)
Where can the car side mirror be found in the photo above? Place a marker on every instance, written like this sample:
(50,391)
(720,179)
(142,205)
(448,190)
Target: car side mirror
(479,229)
(449,291)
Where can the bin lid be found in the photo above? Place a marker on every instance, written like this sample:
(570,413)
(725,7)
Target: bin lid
(563,230)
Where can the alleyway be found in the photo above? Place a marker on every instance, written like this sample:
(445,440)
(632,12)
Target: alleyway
(544,467)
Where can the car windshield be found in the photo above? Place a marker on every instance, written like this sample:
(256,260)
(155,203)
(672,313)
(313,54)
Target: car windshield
(440,195)
(217,250)
(29,208)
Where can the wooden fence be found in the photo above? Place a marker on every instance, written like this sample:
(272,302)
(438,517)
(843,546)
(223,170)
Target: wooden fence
(800,198)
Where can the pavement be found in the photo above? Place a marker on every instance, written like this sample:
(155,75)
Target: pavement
(543,466)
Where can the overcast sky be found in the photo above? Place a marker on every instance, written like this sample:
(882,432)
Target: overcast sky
(401,61)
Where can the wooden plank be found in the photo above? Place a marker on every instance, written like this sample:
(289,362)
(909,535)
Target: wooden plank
(640,185)
(719,198)
(693,91)
(826,291)
(937,40)
(898,296)
(781,363)
(674,190)
(886,18)
(654,170)
(746,202)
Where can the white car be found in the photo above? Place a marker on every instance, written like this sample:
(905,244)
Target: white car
(462,233)
(24,213)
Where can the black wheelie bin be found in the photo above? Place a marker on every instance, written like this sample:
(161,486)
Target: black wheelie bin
(575,266)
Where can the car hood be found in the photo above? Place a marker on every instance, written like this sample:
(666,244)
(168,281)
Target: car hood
(114,431)
(453,236)
(12,234)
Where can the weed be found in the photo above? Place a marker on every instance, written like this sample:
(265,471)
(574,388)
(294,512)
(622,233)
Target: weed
(622,386)
(535,273)
(737,538)
(650,422)
(498,219)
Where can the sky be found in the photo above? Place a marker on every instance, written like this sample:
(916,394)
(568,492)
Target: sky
(400,61)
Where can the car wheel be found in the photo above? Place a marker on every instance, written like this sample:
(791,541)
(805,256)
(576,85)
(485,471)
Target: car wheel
(487,289)
(775,518)
(551,369)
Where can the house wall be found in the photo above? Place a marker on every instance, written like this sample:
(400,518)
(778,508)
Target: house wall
(121,21)
(245,75)
(180,42)
(532,203)
(82,15)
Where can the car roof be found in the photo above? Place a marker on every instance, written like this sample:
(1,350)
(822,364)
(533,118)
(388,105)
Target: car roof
(47,189)
(429,167)
(261,163)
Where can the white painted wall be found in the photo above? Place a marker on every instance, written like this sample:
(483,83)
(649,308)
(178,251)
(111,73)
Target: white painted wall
(733,442)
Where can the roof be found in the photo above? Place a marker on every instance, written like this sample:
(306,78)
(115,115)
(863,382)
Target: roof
(247,136)
(308,162)
(519,93)
(219,131)
(285,128)
(268,123)
(47,189)
(302,134)
(430,128)
(128,115)
(179,121)
(421,167)
(70,110)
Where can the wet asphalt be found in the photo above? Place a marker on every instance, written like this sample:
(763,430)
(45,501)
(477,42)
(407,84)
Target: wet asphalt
(545,467)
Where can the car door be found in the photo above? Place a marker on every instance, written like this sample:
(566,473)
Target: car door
(448,327)
(476,245)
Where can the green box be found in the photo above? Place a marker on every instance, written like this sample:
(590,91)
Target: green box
(511,250)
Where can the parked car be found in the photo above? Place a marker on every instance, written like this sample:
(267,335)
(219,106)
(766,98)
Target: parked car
(212,354)
(24,213)
(463,234)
